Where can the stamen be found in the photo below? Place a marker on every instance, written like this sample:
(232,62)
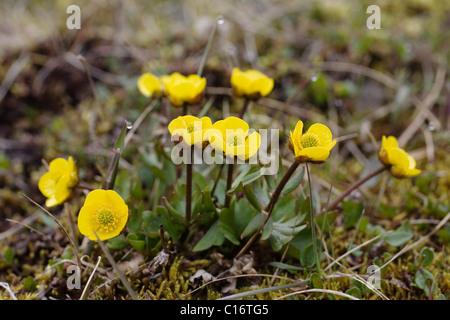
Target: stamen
(234,140)
(309,140)
(105,218)
(190,127)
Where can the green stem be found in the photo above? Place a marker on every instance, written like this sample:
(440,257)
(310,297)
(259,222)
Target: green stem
(270,206)
(208,47)
(313,222)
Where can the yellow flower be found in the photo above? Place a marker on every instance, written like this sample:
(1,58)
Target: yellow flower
(57,183)
(251,83)
(190,128)
(149,85)
(314,145)
(181,89)
(104,213)
(231,136)
(402,165)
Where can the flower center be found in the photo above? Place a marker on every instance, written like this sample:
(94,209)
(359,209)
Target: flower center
(190,127)
(234,140)
(105,218)
(309,140)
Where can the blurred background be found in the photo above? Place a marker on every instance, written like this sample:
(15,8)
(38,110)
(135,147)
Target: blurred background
(363,83)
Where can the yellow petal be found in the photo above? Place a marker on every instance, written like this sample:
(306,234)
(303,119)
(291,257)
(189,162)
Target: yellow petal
(59,165)
(293,144)
(149,85)
(177,123)
(85,221)
(51,202)
(96,197)
(236,123)
(389,142)
(198,82)
(403,164)
(313,154)
(252,144)
(297,136)
(62,191)
(262,86)
(240,82)
(47,184)
(72,172)
(116,201)
(322,132)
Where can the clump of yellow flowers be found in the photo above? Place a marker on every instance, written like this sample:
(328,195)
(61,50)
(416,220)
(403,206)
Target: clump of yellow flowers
(251,84)
(150,85)
(231,137)
(58,182)
(312,146)
(400,163)
(184,89)
(190,129)
(103,215)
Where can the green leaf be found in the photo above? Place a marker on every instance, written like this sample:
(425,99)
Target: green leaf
(208,202)
(151,222)
(307,257)
(137,241)
(226,225)
(212,237)
(261,194)
(284,208)
(29,283)
(302,239)
(233,221)
(173,224)
(294,181)
(197,204)
(290,268)
(137,192)
(9,255)
(426,257)
(316,281)
(254,224)
(354,291)
(424,279)
(251,196)
(331,216)
(399,236)
(123,184)
(117,243)
(267,230)
(134,223)
(285,231)
(247,179)
(199,180)
(352,212)
(178,216)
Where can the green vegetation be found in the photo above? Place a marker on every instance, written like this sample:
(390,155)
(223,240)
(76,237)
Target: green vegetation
(73,93)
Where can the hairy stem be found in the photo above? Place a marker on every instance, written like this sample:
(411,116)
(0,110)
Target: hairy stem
(229,183)
(247,103)
(270,206)
(313,222)
(355,186)
(189,188)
